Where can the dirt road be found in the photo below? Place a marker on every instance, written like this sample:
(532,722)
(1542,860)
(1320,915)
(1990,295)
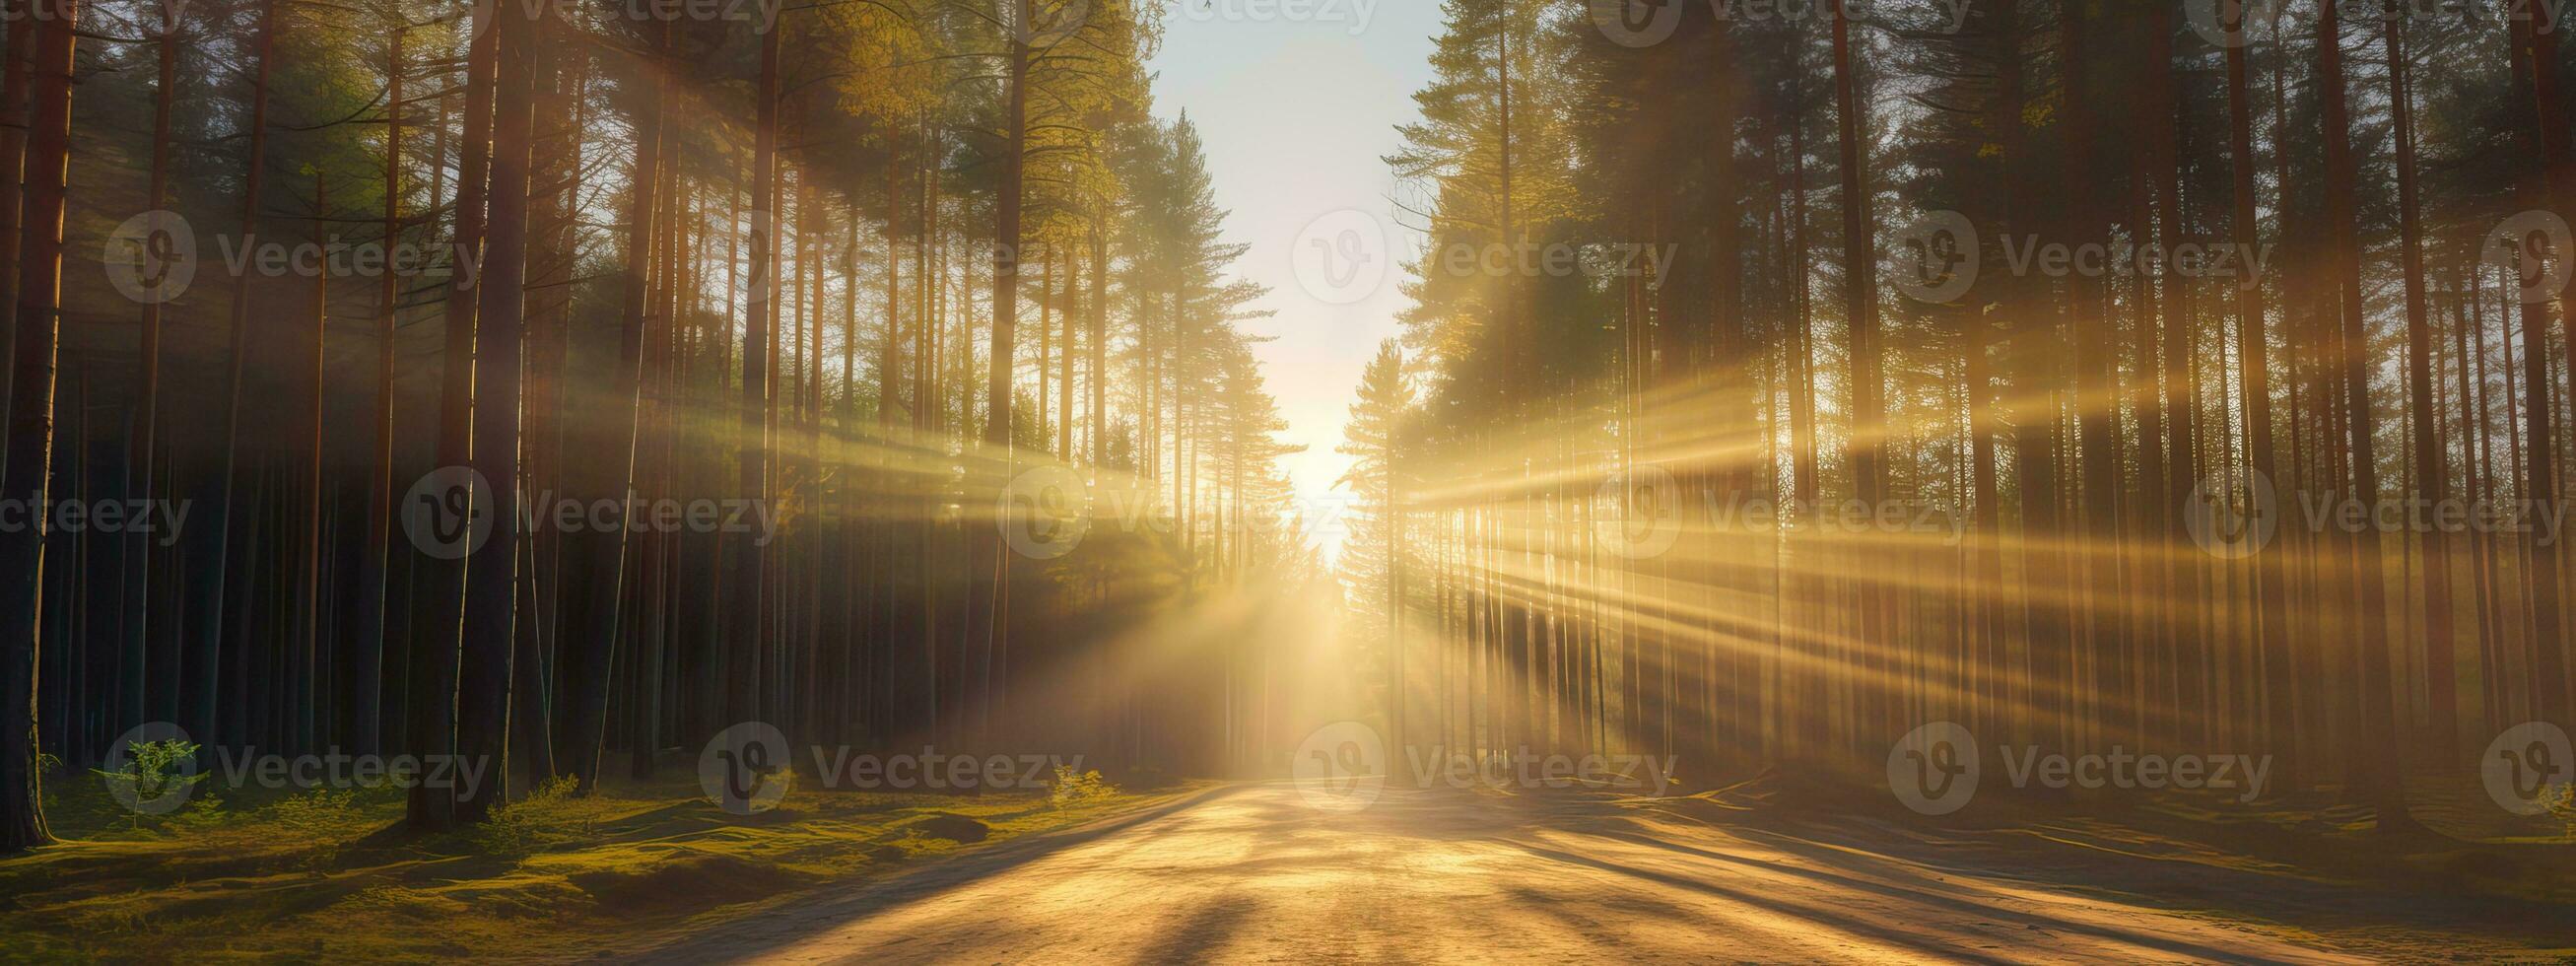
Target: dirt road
(1254,875)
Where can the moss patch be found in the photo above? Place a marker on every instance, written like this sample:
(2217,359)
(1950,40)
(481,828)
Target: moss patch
(337,875)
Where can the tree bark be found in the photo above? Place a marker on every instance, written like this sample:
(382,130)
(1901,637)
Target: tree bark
(438,637)
(159,673)
(745,563)
(2374,760)
(209,608)
(486,665)
(591,621)
(367,621)
(31,426)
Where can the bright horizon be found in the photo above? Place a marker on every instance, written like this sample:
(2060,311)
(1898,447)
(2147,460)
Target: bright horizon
(1295,116)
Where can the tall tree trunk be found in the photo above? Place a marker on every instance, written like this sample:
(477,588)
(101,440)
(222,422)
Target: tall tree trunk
(438,637)
(1064,363)
(367,623)
(1006,231)
(159,673)
(2096,398)
(2430,474)
(1860,307)
(2374,760)
(890,348)
(608,469)
(2549,189)
(310,643)
(2253,350)
(2177,415)
(16,74)
(745,563)
(31,426)
(209,607)
(1099,311)
(483,704)
(986,623)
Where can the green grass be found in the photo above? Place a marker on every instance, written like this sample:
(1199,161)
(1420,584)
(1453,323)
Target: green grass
(333,875)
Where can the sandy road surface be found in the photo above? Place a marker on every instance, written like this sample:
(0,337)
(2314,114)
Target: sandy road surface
(1253,875)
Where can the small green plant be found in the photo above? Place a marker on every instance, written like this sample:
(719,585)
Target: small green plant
(553,814)
(153,770)
(2562,803)
(1080,787)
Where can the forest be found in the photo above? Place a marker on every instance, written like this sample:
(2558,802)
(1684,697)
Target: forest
(2164,375)
(273,254)
(1785,402)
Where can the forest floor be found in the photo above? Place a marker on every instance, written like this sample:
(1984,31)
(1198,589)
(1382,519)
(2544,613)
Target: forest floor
(1770,870)
(1760,872)
(334,876)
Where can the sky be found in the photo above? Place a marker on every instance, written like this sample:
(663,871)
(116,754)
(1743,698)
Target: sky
(1297,101)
